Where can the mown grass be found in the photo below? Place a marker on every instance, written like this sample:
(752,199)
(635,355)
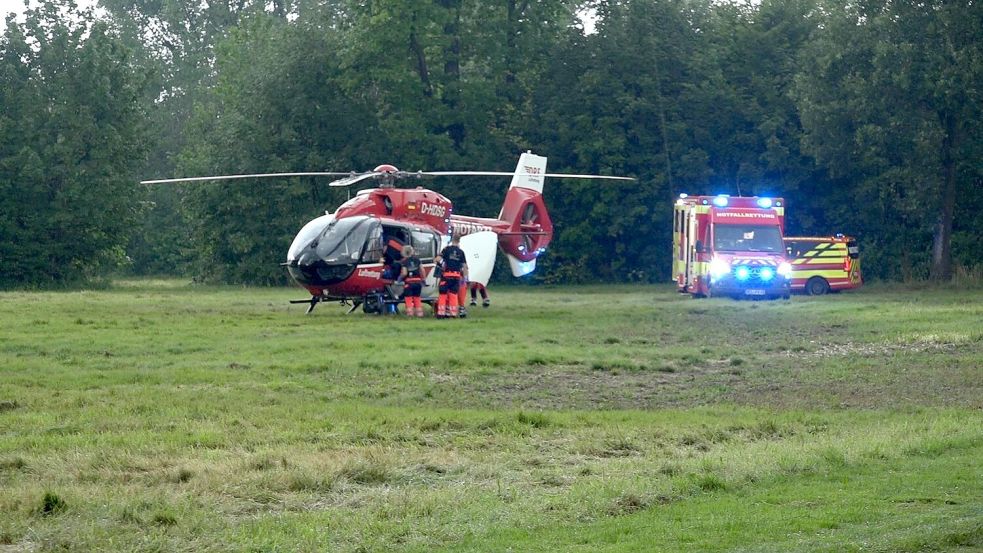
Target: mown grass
(157,415)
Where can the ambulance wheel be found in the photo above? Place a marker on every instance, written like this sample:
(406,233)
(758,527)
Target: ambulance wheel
(817,286)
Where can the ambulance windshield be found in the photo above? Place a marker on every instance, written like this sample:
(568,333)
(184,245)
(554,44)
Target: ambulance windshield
(747,238)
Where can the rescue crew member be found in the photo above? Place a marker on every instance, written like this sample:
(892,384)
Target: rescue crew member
(476,288)
(392,252)
(462,296)
(455,268)
(412,276)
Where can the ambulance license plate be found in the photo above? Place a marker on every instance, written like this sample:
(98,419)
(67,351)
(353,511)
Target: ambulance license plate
(754,292)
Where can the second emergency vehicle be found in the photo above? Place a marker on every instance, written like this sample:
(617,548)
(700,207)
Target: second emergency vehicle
(730,246)
(822,264)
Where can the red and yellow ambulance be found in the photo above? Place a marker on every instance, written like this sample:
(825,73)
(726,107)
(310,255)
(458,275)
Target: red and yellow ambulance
(730,246)
(822,264)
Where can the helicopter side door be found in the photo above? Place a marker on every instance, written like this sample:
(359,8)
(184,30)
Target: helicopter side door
(425,242)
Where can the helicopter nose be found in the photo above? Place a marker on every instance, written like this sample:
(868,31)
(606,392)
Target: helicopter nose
(307,258)
(309,269)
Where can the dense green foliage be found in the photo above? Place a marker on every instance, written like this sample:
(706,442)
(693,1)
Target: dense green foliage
(163,416)
(865,117)
(71,140)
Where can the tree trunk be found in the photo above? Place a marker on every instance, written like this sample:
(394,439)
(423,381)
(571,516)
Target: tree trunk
(452,71)
(942,240)
(421,61)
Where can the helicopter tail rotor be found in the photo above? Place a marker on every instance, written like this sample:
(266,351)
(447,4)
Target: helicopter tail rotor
(530,229)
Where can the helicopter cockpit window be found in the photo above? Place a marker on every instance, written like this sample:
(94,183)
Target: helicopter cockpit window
(307,234)
(345,239)
(425,245)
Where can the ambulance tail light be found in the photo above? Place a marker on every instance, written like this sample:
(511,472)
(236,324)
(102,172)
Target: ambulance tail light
(785,269)
(846,264)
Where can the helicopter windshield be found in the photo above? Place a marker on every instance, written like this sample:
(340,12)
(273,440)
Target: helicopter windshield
(307,234)
(344,239)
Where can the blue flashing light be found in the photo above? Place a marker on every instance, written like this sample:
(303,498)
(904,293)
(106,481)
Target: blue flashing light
(684,195)
(705,202)
(764,203)
(742,273)
(767,274)
(720,201)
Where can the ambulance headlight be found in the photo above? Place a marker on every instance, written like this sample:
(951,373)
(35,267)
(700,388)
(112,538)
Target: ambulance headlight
(719,268)
(767,274)
(742,273)
(764,203)
(785,270)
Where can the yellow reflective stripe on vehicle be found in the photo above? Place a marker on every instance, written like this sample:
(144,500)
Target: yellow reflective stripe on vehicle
(799,261)
(821,261)
(810,253)
(828,273)
(821,246)
(832,254)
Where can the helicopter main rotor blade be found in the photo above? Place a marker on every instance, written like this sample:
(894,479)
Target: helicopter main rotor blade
(253,176)
(461,174)
(572,176)
(352,179)
(508,174)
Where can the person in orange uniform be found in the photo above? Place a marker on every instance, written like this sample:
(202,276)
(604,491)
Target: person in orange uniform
(412,275)
(455,266)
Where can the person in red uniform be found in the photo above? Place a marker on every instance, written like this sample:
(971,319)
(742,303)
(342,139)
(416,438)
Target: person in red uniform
(455,269)
(479,288)
(412,275)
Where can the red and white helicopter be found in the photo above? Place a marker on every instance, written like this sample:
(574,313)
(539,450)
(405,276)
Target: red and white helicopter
(336,257)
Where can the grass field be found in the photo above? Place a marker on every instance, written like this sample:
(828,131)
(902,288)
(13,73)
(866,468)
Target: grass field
(160,416)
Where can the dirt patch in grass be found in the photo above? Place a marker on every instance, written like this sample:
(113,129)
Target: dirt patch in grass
(564,387)
(838,375)
(852,348)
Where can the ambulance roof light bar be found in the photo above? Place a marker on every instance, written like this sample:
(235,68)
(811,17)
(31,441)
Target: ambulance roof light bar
(720,200)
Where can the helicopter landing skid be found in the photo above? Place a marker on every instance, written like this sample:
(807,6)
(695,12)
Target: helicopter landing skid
(312,302)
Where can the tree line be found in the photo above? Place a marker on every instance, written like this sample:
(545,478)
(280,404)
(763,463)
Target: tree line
(865,116)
